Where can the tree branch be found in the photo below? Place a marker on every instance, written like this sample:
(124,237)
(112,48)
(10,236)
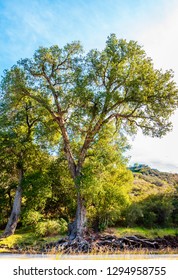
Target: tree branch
(61,123)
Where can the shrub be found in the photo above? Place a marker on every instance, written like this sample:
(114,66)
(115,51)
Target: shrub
(31,217)
(51,227)
(133,214)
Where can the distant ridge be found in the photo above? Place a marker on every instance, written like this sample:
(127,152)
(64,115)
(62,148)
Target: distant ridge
(170,178)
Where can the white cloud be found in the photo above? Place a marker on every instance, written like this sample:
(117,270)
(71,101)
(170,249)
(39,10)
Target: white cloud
(159,38)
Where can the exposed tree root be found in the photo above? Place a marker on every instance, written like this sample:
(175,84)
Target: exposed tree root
(110,243)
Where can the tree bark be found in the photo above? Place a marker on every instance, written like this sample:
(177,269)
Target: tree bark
(16,209)
(77,228)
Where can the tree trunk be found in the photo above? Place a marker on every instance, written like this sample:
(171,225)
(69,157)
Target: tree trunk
(15,213)
(77,229)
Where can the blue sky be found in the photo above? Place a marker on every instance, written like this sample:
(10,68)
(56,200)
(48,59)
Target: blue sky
(24,26)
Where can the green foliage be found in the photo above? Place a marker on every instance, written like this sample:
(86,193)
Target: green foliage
(175,207)
(108,197)
(31,218)
(62,199)
(51,227)
(151,212)
(133,214)
(157,211)
(37,188)
(136,91)
(105,180)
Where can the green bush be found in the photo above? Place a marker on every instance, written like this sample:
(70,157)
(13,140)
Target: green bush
(51,227)
(155,210)
(31,218)
(133,214)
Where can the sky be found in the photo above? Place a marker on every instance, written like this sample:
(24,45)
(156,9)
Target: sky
(26,25)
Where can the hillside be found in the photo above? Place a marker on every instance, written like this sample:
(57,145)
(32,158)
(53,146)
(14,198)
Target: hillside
(154,198)
(148,181)
(170,178)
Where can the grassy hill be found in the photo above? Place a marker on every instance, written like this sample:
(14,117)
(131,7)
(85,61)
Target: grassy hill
(150,173)
(154,198)
(149,181)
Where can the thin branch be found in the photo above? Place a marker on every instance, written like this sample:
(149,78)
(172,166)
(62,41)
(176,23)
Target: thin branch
(41,101)
(139,125)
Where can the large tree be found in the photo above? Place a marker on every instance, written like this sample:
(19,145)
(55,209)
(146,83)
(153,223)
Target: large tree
(83,93)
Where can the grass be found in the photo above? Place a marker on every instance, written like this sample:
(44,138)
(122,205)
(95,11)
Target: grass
(24,241)
(148,233)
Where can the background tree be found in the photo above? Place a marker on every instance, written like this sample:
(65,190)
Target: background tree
(84,93)
(8,183)
(19,152)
